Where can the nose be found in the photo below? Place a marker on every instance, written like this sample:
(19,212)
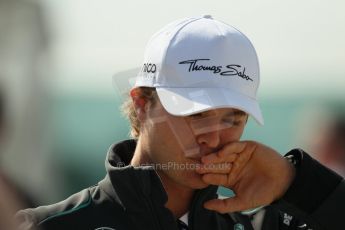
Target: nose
(209,140)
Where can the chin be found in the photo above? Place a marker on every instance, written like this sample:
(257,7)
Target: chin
(194,181)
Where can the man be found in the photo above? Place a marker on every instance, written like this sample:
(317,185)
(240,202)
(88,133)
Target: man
(188,110)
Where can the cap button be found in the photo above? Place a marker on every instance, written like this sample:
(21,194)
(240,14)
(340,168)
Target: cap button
(208,16)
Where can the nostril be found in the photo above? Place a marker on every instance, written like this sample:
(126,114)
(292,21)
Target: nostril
(211,139)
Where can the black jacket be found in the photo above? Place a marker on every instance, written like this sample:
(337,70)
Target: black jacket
(134,198)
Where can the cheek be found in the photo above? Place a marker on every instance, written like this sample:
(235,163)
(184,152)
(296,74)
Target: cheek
(180,136)
(232,134)
(166,142)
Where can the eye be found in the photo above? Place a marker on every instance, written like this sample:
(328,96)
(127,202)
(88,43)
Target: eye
(229,121)
(237,123)
(234,121)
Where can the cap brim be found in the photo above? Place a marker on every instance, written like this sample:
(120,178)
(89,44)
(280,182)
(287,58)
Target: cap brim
(187,101)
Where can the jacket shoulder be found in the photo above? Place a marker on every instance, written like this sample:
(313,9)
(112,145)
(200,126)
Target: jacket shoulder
(51,215)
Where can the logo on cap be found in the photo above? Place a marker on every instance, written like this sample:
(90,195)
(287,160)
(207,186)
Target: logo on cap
(149,68)
(148,71)
(230,70)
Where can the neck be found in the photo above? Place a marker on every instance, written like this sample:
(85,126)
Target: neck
(179,196)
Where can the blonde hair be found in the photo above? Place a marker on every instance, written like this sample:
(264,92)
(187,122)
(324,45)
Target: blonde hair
(128,108)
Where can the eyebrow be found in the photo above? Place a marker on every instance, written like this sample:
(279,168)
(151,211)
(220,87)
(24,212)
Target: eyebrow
(236,113)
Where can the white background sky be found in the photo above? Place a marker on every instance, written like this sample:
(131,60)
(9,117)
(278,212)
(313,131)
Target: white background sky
(300,44)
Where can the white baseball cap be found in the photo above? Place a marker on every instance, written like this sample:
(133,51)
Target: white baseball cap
(198,64)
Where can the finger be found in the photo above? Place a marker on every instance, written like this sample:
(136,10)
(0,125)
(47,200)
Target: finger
(215,179)
(211,158)
(226,154)
(235,147)
(239,164)
(214,168)
(233,204)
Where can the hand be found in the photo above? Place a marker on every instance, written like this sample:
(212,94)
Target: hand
(257,174)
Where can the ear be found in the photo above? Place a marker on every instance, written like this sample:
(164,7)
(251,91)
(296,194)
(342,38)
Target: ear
(139,103)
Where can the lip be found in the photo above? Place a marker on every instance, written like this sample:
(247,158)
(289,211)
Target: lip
(200,154)
(192,152)
(199,151)
(208,151)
